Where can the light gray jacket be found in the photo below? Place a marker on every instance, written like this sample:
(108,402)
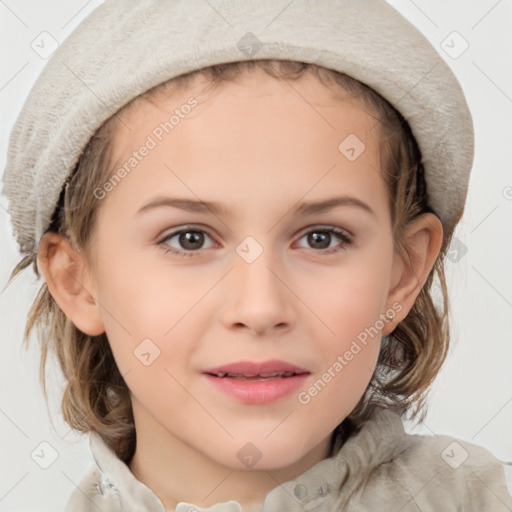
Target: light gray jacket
(379,468)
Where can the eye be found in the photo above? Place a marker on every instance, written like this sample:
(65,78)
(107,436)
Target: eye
(186,241)
(326,239)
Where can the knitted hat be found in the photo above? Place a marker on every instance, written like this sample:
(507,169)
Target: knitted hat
(125,48)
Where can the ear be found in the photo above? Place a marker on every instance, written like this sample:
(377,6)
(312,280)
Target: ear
(423,241)
(63,270)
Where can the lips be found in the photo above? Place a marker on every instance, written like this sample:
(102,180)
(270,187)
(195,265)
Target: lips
(272,369)
(257,383)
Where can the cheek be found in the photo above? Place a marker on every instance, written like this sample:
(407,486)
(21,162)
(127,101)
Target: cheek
(351,296)
(145,298)
(348,345)
(152,314)
(350,301)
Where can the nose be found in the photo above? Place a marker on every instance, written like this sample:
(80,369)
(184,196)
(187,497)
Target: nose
(259,299)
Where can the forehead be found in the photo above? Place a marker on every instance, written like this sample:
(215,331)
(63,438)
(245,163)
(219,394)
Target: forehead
(251,97)
(248,133)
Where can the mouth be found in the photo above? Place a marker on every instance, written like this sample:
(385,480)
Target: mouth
(271,369)
(261,377)
(255,382)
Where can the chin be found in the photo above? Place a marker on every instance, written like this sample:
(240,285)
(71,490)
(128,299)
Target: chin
(266,454)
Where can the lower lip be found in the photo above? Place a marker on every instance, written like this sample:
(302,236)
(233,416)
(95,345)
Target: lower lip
(258,391)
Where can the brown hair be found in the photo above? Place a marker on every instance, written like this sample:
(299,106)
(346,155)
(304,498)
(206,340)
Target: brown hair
(96,397)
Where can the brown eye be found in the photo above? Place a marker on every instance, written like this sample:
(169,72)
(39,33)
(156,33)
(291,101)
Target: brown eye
(327,239)
(319,239)
(186,241)
(191,240)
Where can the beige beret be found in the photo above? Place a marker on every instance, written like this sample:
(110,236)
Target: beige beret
(126,47)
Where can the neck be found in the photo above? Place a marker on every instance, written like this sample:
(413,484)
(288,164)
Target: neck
(178,472)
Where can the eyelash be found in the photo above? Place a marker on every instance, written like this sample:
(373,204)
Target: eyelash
(346,240)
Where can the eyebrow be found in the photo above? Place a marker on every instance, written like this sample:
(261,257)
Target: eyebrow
(329,204)
(304,208)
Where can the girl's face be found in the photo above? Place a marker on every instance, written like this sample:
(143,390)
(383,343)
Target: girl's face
(250,235)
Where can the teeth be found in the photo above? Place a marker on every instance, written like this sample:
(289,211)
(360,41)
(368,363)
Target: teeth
(252,376)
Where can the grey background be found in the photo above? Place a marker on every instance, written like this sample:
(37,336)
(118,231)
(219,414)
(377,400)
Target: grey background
(472,397)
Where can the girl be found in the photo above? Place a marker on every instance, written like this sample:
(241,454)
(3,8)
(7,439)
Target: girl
(239,236)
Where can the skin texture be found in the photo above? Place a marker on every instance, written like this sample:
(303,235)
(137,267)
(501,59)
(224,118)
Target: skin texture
(258,147)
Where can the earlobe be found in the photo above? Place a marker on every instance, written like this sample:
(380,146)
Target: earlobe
(423,240)
(63,270)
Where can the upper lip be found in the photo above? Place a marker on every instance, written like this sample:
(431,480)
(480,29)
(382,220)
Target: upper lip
(255,368)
